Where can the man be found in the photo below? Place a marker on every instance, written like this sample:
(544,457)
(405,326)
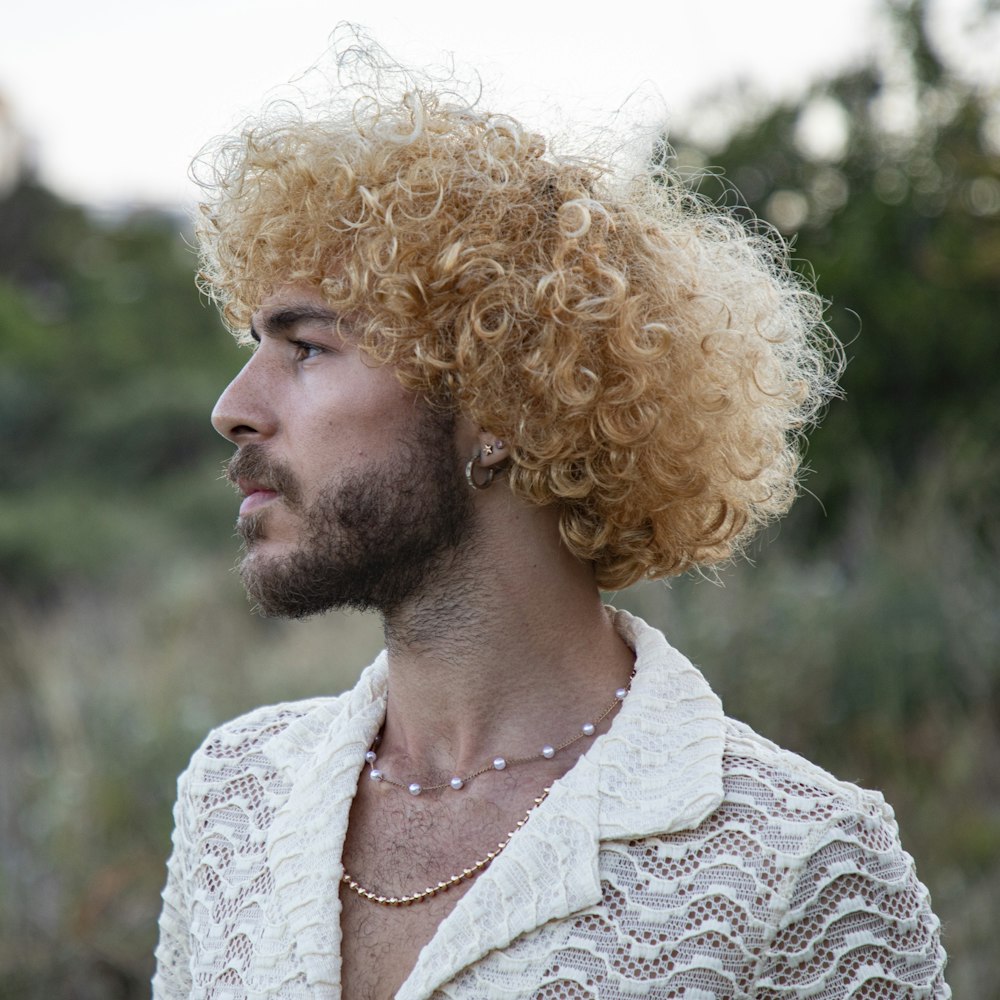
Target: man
(487,382)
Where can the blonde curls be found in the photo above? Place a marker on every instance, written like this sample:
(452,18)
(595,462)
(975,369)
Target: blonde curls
(652,361)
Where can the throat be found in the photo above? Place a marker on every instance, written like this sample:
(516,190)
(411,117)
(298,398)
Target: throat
(422,756)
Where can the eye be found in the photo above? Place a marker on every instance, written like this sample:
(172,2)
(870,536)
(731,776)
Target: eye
(304,351)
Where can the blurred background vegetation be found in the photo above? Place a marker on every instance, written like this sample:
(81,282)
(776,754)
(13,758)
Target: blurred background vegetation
(865,637)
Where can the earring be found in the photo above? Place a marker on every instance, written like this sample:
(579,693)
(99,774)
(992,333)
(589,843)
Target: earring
(487,450)
(470,473)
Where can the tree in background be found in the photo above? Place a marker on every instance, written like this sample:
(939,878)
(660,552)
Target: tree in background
(887,178)
(109,364)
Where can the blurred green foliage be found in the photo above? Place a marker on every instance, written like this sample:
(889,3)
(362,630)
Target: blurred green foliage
(866,637)
(109,363)
(888,180)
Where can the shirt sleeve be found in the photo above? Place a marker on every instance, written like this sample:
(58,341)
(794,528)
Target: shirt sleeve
(172,979)
(859,923)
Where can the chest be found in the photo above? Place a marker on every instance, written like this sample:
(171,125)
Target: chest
(396,847)
(381,944)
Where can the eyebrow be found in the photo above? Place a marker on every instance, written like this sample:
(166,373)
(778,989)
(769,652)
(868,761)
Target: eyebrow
(278,323)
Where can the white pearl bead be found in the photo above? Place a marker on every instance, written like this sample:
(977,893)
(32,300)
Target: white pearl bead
(457,783)
(370,756)
(620,693)
(499,763)
(548,751)
(588,729)
(415,789)
(375,774)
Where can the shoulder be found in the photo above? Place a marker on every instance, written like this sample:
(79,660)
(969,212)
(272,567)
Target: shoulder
(244,774)
(849,910)
(255,808)
(776,805)
(263,727)
(269,733)
(255,758)
(807,819)
(785,784)
(794,884)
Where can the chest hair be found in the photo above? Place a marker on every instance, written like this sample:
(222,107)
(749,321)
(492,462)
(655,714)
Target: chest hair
(399,844)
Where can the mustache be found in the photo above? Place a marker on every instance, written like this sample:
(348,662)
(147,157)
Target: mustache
(252,462)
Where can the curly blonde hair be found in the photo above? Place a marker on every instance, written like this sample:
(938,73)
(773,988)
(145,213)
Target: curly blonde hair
(651,361)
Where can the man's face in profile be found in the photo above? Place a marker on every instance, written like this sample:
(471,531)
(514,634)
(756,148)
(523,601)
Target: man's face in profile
(353,492)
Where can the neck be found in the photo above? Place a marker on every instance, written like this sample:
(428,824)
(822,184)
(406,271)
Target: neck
(508,649)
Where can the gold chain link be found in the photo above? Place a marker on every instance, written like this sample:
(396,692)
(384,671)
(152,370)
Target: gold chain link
(417,897)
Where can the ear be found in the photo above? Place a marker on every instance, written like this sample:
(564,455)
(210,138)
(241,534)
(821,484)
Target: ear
(471,439)
(493,450)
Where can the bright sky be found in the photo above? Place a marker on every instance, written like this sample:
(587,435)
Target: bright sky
(117,96)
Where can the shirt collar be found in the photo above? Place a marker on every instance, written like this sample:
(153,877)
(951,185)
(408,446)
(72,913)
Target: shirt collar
(660,764)
(658,770)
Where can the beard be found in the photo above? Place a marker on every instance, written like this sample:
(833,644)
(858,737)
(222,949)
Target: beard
(371,540)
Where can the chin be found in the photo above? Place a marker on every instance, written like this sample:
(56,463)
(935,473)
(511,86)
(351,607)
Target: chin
(261,530)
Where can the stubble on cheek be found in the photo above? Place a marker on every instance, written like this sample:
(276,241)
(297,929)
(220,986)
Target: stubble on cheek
(369,541)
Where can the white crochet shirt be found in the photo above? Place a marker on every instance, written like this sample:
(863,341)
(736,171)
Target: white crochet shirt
(682,856)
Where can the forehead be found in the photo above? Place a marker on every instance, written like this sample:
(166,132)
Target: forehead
(291,296)
(291,292)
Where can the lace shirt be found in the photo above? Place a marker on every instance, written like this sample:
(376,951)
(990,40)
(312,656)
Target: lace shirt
(682,856)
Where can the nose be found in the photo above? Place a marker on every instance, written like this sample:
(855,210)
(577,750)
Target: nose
(244,411)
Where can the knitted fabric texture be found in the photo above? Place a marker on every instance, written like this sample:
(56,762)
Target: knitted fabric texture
(683,856)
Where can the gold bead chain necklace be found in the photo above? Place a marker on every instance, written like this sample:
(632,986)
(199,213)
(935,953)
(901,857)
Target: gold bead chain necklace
(466,873)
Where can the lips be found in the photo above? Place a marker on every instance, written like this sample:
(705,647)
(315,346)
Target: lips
(255,495)
(261,479)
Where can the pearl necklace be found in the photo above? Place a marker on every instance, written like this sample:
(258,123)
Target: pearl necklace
(433,890)
(458,782)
